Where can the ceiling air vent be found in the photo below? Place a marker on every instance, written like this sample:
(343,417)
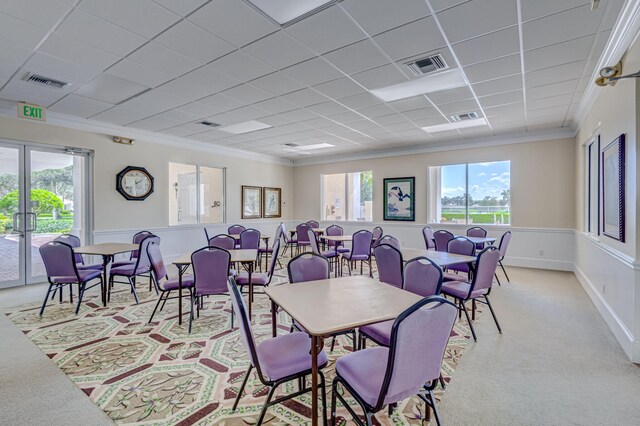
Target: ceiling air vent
(209,123)
(44,81)
(427,65)
(465,116)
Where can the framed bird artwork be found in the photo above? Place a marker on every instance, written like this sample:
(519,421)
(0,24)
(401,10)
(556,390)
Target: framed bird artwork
(399,199)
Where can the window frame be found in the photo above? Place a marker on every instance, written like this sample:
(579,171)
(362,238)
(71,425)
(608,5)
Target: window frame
(199,221)
(593,144)
(345,201)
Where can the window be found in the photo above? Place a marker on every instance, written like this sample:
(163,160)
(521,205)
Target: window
(474,193)
(196,194)
(592,217)
(347,196)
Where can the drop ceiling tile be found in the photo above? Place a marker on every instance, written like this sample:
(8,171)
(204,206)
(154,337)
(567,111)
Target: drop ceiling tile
(357,57)
(554,74)
(562,88)
(100,33)
(430,121)
(451,95)
(512,118)
(539,8)
(305,97)
(111,89)
(496,68)
(277,83)
(154,124)
(409,104)
(6,71)
(247,94)
(345,117)
(120,115)
(14,54)
(611,14)
(57,68)
(221,102)
(563,26)
(158,57)
(601,41)
(312,72)
(319,123)
(44,14)
(226,118)
(550,102)
(79,53)
(376,16)
(138,73)
(505,98)
(376,111)
(501,110)
(233,21)
(499,85)
(495,45)
(327,30)
(360,100)
(411,39)
(439,5)
(179,115)
(201,109)
(184,90)
(194,42)
(209,79)
(154,100)
(383,76)
(181,7)
(460,107)
(241,66)
(143,17)
(298,115)
(249,112)
(544,126)
(275,105)
(279,50)
(339,87)
(385,120)
(475,18)
(558,54)
(327,108)
(79,106)
(418,114)
(275,120)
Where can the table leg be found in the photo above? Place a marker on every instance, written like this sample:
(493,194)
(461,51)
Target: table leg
(274,319)
(105,263)
(250,288)
(181,270)
(315,342)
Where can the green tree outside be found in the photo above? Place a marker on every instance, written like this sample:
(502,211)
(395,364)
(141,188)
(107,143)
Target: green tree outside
(43,201)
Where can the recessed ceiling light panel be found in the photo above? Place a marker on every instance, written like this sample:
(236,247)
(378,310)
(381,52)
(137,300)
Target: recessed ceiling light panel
(419,86)
(244,127)
(285,11)
(456,125)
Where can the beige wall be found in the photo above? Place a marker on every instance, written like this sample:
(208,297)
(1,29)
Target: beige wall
(112,211)
(542,180)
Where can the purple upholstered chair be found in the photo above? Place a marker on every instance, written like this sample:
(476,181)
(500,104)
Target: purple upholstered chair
(315,248)
(74,242)
(222,241)
(210,274)
(303,236)
(441,239)
(462,246)
(60,264)
(479,232)
(389,262)
(313,224)
(421,276)
(277,360)
(504,244)
(360,250)
(383,376)
(258,278)
(480,286)
(390,240)
(376,234)
(142,266)
(250,239)
(289,241)
(336,231)
(266,251)
(236,230)
(133,256)
(162,280)
(427,234)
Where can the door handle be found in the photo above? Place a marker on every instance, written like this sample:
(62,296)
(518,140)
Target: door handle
(35,222)
(16,224)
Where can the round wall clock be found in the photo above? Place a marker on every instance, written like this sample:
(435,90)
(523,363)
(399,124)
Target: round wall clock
(134,183)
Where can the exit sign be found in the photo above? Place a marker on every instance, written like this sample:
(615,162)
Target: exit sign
(32,112)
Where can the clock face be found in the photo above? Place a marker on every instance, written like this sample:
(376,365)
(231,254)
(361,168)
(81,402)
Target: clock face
(134,183)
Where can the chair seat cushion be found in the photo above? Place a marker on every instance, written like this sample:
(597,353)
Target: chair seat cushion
(172,283)
(450,276)
(123,263)
(256,278)
(85,275)
(329,253)
(95,267)
(128,270)
(380,332)
(265,250)
(364,371)
(460,289)
(304,243)
(350,256)
(286,355)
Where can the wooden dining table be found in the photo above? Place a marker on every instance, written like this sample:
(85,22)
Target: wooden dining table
(326,307)
(264,238)
(337,239)
(243,256)
(107,251)
(442,258)
(479,240)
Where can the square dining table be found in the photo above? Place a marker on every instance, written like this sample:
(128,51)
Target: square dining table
(329,306)
(442,258)
(479,240)
(337,239)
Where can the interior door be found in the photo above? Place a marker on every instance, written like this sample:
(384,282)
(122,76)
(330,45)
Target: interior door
(12,221)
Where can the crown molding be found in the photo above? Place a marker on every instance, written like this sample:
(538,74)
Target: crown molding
(622,37)
(8,109)
(445,146)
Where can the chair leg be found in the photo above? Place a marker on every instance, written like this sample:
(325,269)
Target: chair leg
(497,279)
(165,299)
(436,414)
(443,385)
(44,303)
(353,336)
(61,288)
(370,269)
(80,294)
(334,390)
(265,406)
(473,309)
(323,389)
(191,313)
(333,343)
(505,271)
(466,313)
(70,294)
(493,314)
(133,288)
(244,383)
(163,295)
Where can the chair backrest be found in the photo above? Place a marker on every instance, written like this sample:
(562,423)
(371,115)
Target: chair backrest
(313,239)
(390,240)
(302,233)
(143,262)
(59,260)
(240,310)
(210,270)
(308,267)
(427,234)
(441,238)
(463,246)
(235,229)
(422,276)
(376,234)
(250,239)
(313,224)
(223,241)
(479,232)
(504,244)
(486,264)
(361,243)
(137,239)
(274,259)
(285,234)
(278,234)
(73,241)
(389,261)
(334,231)
(419,338)
(157,264)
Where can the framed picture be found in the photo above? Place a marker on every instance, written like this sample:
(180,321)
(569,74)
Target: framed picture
(399,199)
(251,202)
(613,189)
(272,202)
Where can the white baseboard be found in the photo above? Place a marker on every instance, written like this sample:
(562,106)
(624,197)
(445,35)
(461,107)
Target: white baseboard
(529,262)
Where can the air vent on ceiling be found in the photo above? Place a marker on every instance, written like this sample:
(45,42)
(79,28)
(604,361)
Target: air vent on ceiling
(209,123)
(44,81)
(465,116)
(291,144)
(427,65)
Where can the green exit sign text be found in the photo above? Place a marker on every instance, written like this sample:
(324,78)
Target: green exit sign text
(32,112)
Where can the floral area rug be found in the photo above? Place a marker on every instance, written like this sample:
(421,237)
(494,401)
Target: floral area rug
(159,374)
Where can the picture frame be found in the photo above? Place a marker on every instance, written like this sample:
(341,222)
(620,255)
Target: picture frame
(251,202)
(399,199)
(613,187)
(272,202)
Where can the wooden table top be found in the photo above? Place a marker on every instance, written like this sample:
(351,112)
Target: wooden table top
(439,257)
(106,249)
(319,230)
(327,306)
(241,255)
(479,240)
(341,238)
